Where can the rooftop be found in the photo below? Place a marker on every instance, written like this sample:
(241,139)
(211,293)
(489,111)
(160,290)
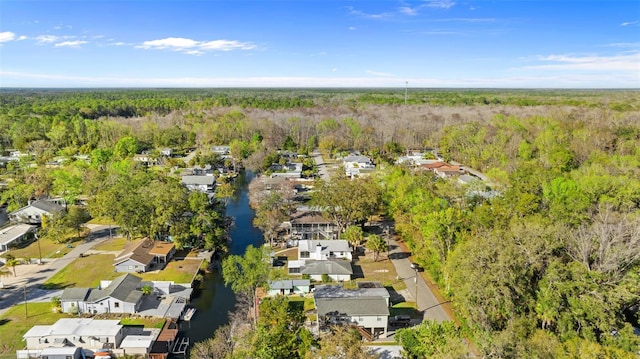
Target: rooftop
(330,266)
(352,306)
(10,234)
(76,326)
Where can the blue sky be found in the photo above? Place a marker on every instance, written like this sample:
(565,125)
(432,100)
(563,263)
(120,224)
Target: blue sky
(330,43)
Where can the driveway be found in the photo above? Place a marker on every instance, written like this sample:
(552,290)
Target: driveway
(427,302)
(31,276)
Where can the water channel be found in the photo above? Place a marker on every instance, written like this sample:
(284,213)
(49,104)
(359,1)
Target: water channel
(213,300)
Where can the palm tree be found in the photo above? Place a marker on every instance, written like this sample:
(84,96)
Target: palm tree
(377,244)
(12,262)
(147,289)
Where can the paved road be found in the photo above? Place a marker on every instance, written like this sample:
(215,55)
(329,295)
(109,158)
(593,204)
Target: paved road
(427,302)
(31,276)
(322,167)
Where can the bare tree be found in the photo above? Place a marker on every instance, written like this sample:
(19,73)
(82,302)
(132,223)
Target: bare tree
(610,245)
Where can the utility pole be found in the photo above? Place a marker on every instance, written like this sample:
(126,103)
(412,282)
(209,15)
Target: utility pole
(415,280)
(39,249)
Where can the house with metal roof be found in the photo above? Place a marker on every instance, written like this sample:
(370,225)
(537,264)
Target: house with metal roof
(205,183)
(76,332)
(369,313)
(13,235)
(336,269)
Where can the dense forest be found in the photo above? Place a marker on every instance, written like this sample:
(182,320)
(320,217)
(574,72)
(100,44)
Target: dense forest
(542,260)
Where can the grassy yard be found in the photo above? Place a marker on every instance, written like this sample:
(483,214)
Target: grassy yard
(381,271)
(180,271)
(13,324)
(146,322)
(87,271)
(48,248)
(306,302)
(113,244)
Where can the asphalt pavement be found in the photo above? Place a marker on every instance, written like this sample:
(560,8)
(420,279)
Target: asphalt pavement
(428,304)
(31,276)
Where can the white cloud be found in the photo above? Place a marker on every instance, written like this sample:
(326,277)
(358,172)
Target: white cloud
(352,28)
(629,23)
(193,47)
(22,37)
(47,38)
(622,62)
(226,45)
(365,15)
(169,43)
(408,10)
(76,43)
(441,4)
(7,36)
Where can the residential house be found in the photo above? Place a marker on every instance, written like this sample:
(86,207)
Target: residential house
(311,225)
(162,252)
(365,289)
(15,234)
(368,309)
(204,184)
(289,286)
(165,340)
(166,152)
(146,159)
(337,269)
(357,165)
(33,213)
(221,150)
(76,332)
(122,295)
(52,353)
(324,249)
(289,170)
(135,258)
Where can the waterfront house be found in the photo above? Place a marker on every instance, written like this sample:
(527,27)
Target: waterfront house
(367,308)
(122,295)
(289,286)
(324,249)
(204,183)
(311,225)
(75,332)
(135,257)
(336,269)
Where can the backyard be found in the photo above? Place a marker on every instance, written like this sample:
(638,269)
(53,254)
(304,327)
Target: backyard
(44,247)
(178,271)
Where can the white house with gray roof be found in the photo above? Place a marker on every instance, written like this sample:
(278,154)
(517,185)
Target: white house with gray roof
(204,183)
(289,286)
(370,313)
(79,332)
(32,213)
(324,249)
(337,269)
(122,295)
(14,235)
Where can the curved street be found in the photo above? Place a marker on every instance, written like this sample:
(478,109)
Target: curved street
(31,276)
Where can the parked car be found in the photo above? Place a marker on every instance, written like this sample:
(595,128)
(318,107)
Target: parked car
(402,320)
(417,267)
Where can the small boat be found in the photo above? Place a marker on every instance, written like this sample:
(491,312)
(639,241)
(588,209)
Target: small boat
(189,314)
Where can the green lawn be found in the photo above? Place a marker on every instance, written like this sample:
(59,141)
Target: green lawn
(87,271)
(113,244)
(307,302)
(48,248)
(381,271)
(14,324)
(146,322)
(181,271)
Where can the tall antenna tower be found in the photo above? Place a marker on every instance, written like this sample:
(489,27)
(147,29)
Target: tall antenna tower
(406,89)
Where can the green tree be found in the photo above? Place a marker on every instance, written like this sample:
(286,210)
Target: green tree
(343,342)
(431,339)
(246,273)
(12,262)
(126,147)
(354,235)
(376,244)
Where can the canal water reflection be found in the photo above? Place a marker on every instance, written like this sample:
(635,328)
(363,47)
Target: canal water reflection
(213,300)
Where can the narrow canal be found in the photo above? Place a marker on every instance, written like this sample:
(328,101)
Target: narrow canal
(213,300)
